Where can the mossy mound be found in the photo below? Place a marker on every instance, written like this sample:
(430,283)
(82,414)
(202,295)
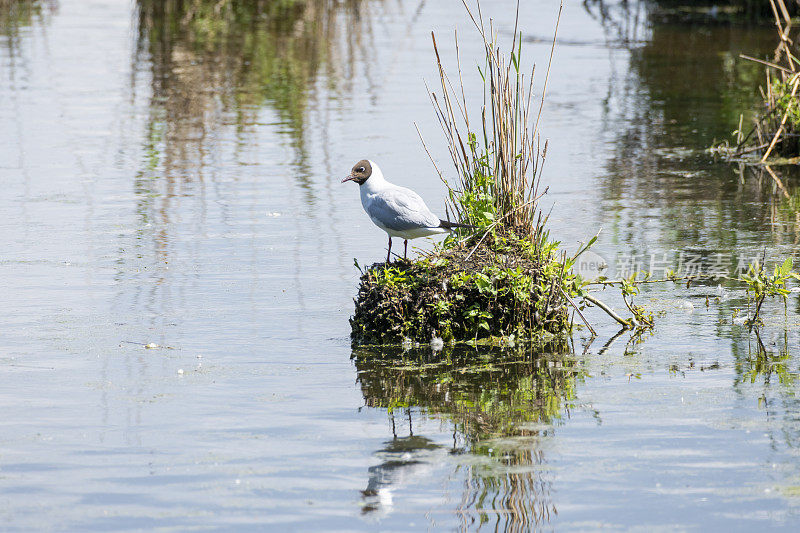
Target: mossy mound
(504,288)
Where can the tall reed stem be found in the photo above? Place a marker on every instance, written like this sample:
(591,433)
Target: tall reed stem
(499,163)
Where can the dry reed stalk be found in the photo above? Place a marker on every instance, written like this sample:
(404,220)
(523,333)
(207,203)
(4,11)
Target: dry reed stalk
(502,161)
(782,84)
(780,131)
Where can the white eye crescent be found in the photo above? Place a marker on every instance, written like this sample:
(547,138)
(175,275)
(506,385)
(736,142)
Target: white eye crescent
(360,169)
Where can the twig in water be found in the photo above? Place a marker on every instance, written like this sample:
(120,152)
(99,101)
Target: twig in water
(767,63)
(777,181)
(591,329)
(625,324)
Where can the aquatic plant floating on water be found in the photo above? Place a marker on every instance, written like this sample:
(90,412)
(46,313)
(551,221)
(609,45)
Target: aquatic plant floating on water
(763,285)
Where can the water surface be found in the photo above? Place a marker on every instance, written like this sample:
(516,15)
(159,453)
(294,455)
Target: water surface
(171,175)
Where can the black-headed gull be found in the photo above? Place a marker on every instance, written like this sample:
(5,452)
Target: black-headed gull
(398,211)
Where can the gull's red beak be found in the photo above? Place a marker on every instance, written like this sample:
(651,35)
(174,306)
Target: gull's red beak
(348,178)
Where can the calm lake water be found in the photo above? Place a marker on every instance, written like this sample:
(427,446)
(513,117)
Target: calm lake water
(170,175)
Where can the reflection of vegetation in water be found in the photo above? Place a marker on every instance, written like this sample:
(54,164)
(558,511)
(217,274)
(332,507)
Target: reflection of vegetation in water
(692,79)
(719,10)
(785,213)
(217,62)
(486,394)
(514,490)
(16,14)
(696,80)
(686,11)
(778,190)
(685,89)
(499,403)
(215,66)
(760,365)
(769,371)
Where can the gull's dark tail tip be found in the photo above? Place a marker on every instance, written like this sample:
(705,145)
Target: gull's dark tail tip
(446,224)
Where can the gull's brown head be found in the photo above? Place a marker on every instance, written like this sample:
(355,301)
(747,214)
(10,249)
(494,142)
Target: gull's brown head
(360,173)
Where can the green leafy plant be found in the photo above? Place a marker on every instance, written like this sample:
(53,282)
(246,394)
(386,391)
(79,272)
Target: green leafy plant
(763,285)
(390,277)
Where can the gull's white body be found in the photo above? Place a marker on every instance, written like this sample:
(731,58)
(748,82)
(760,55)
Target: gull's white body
(398,211)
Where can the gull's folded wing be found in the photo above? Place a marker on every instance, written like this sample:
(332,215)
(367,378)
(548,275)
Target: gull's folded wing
(401,209)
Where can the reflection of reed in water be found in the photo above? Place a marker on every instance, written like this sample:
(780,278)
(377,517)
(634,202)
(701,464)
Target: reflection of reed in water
(515,500)
(778,188)
(217,63)
(683,90)
(216,69)
(16,14)
(623,22)
(500,404)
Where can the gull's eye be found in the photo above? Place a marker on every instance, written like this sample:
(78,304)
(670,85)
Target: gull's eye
(360,169)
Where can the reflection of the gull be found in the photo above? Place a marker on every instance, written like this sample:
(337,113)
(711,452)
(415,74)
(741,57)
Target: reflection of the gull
(500,404)
(401,458)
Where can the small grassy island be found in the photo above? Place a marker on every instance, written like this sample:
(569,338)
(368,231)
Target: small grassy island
(506,287)
(505,280)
